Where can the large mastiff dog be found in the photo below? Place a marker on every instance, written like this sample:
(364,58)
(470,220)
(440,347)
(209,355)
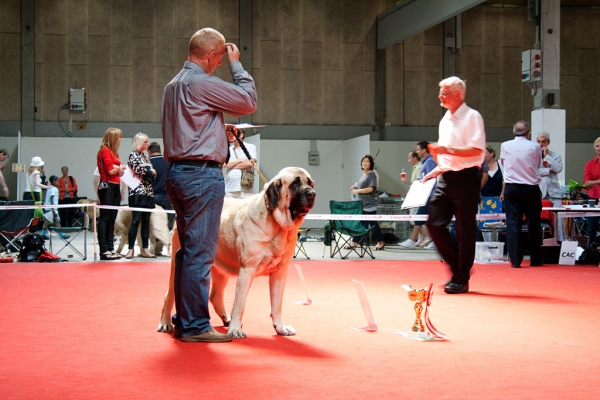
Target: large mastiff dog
(257,238)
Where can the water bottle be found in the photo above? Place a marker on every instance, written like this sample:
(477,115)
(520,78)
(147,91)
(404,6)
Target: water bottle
(353,196)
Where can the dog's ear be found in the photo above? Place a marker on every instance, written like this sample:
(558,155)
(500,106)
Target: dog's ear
(272,193)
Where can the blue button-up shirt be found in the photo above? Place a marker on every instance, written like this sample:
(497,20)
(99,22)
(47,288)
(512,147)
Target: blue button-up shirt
(192,110)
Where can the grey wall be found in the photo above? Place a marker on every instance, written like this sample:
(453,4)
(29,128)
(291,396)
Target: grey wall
(313,60)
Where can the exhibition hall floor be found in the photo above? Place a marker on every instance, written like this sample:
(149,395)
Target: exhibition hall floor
(77,330)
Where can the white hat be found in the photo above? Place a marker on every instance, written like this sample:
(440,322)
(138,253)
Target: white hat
(37,162)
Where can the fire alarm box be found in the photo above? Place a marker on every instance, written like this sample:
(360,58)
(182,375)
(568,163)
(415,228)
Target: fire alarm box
(531,66)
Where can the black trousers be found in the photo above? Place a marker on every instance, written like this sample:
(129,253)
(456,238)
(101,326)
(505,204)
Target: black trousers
(376,236)
(456,194)
(66,214)
(522,200)
(136,217)
(110,196)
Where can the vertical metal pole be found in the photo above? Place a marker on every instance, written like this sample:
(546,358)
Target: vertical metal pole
(245,18)
(380,95)
(27,68)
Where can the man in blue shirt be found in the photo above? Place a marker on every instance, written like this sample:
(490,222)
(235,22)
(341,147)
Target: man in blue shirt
(193,129)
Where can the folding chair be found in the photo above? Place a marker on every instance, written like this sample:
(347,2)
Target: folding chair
(73,232)
(342,231)
(489,228)
(302,236)
(13,238)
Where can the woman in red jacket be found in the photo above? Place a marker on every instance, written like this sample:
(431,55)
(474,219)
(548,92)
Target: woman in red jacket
(109,190)
(67,194)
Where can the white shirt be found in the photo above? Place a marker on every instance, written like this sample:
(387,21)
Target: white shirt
(233,176)
(521,159)
(464,127)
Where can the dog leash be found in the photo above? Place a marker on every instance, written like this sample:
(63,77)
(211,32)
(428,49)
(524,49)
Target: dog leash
(247,153)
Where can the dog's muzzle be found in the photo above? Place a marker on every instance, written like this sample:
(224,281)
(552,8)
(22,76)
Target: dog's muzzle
(303,203)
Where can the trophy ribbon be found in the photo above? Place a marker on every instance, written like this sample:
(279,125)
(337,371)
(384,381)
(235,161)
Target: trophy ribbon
(428,323)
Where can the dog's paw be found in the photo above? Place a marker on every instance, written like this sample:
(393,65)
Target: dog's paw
(287,330)
(237,333)
(164,327)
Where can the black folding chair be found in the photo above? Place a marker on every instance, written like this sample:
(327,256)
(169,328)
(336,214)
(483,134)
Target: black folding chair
(342,231)
(13,239)
(302,237)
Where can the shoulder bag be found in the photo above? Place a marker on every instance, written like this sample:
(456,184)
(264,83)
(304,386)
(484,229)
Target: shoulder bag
(247,179)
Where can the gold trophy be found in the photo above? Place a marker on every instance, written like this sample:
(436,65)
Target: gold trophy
(419,296)
(422,331)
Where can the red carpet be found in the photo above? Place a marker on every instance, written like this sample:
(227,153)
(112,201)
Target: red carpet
(87,331)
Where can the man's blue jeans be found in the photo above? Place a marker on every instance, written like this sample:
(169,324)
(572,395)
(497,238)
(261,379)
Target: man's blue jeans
(196,191)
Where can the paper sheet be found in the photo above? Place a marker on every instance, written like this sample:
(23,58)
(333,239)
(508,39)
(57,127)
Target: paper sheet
(418,194)
(130,179)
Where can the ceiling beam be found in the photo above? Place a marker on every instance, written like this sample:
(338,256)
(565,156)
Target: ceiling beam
(414,16)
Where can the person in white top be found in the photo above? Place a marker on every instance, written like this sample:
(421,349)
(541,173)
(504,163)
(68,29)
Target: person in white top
(521,160)
(237,163)
(459,152)
(33,189)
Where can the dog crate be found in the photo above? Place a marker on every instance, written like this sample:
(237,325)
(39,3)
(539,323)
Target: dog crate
(393,231)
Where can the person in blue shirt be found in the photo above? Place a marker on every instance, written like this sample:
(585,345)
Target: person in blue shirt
(428,164)
(51,214)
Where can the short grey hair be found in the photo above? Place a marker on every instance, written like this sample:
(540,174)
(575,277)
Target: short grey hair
(456,84)
(521,128)
(545,135)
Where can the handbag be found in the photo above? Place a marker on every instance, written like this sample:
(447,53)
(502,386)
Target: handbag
(247,180)
(141,201)
(72,185)
(148,175)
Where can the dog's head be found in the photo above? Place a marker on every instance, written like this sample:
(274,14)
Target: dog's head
(290,196)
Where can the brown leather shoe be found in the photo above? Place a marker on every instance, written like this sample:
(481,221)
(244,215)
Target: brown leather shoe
(211,336)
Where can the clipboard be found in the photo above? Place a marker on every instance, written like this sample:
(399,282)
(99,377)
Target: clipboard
(418,194)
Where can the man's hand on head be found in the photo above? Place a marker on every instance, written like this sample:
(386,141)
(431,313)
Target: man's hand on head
(233,53)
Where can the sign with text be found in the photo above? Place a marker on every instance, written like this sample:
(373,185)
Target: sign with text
(568,252)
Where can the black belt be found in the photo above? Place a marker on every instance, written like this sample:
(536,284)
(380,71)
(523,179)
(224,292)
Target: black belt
(199,163)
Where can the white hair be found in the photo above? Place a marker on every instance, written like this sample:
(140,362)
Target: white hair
(138,141)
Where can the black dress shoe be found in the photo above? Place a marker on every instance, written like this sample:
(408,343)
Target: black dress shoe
(516,266)
(538,264)
(177,332)
(456,288)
